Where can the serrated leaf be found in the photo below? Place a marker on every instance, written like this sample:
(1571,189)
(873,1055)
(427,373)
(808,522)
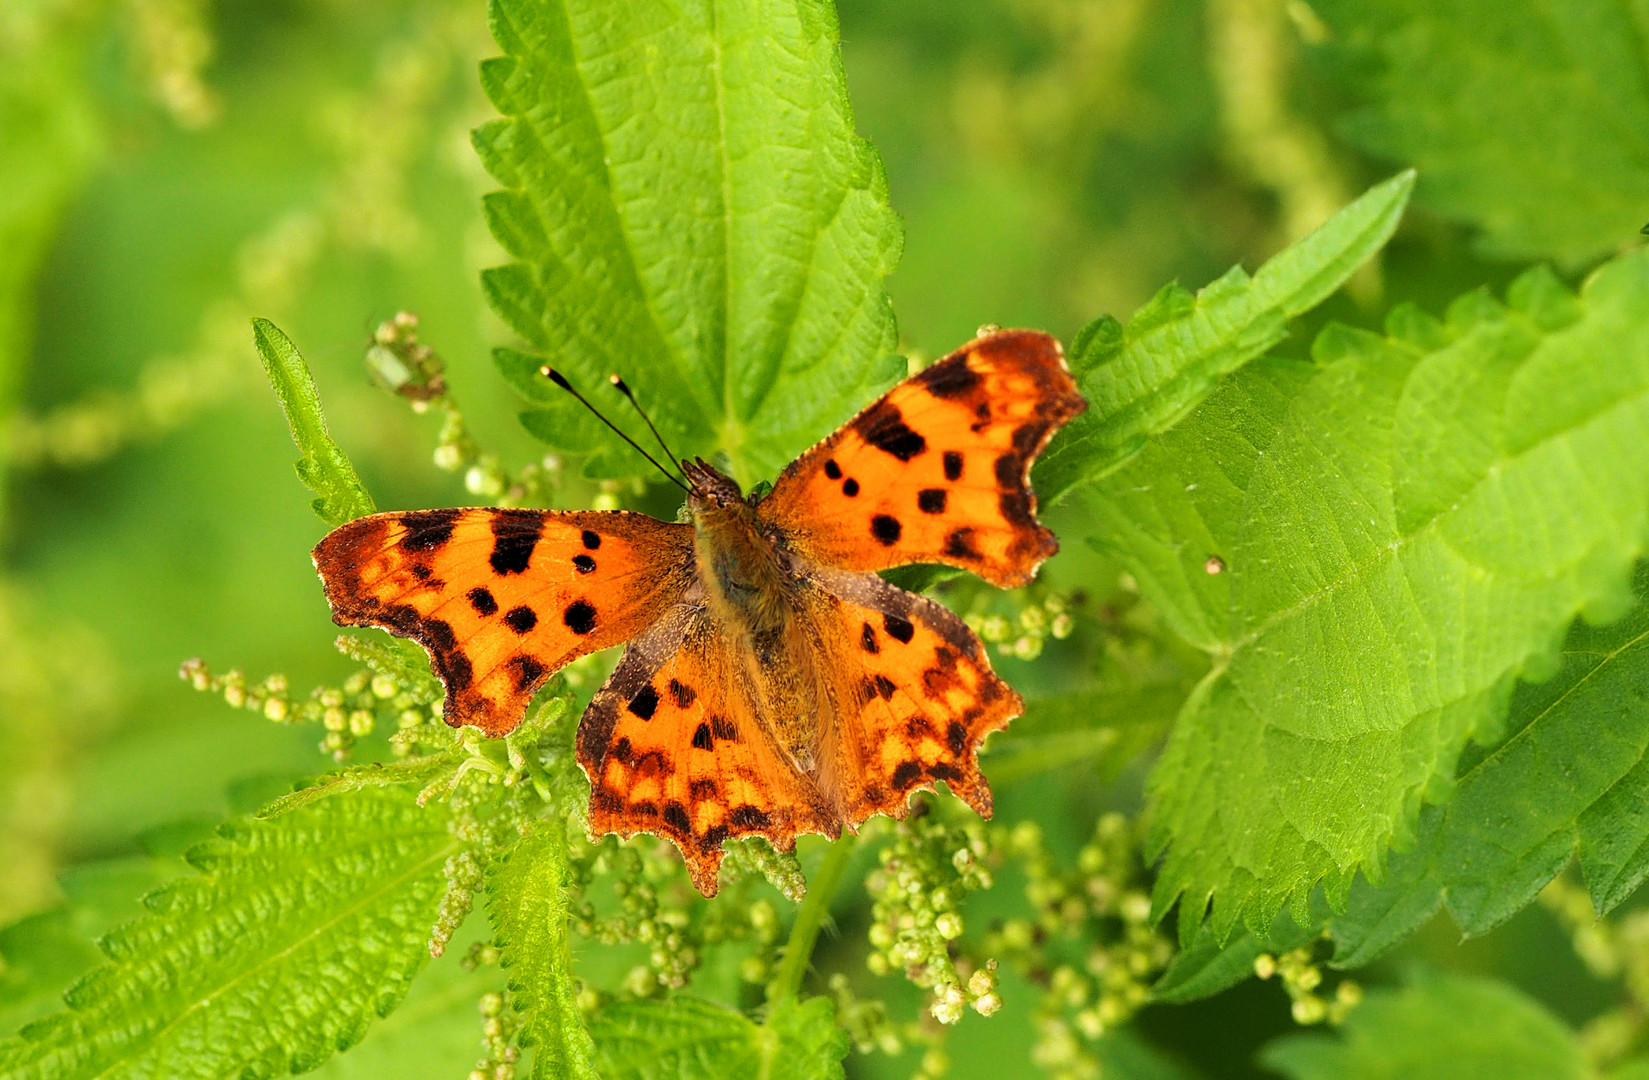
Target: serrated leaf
(373,774)
(690,207)
(1142,379)
(324,467)
(1528,121)
(293,936)
(527,902)
(1207,966)
(1571,777)
(1402,528)
(685,1038)
(1441,1027)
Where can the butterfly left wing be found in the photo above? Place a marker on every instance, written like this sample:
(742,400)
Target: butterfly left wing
(938,469)
(501,599)
(672,746)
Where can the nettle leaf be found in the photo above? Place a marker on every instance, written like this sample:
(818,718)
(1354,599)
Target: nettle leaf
(1528,121)
(527,901)
(1142,379)
(687,1037)
(1571,777)
(294,935)
(1442,1025)
(324,467)
(1402,527)
(690,207)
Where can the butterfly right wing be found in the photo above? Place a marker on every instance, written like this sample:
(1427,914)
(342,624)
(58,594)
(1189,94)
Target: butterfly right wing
(503,598)
(672,746)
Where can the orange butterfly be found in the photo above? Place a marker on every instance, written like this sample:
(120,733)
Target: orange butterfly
(773,684)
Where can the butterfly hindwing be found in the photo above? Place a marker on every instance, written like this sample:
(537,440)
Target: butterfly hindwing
(673,747)
(501,599)
(914,696)
(938,469)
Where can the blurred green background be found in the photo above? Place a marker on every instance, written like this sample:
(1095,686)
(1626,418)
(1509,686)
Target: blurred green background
(173,167)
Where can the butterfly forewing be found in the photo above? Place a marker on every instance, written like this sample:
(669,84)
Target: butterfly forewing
(503,598)
(938,469)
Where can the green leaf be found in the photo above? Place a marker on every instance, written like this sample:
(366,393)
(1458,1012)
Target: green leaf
(1528,121)
(1206,966)
(1104,728)
(691,208)
(1443,1027)
(685,1038)
(1572,776)
(1403,527)
(373,774)
(1142,379)
(294,935)
(527,901)
(324,468)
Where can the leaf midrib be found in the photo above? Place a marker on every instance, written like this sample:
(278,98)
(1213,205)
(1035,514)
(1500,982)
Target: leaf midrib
(218,993)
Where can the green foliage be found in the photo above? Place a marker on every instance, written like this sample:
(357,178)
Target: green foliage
(314,924)
(1142,379)
(527,902)
(324,467)
(1529,122)
(1440,1027)
(693,1039)
(1570,777)
(1375,605)
(692,209)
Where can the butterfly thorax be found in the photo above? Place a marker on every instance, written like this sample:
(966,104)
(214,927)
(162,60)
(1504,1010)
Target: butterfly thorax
(749,591)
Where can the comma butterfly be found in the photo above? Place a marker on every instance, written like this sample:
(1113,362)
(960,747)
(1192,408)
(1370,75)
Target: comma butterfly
(772,684)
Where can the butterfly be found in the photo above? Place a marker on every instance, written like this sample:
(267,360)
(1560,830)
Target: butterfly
(772,682)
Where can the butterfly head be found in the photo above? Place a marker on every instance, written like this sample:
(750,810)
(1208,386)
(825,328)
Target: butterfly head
(710,488)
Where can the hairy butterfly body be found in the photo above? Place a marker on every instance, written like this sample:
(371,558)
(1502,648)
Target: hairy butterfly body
(772,683)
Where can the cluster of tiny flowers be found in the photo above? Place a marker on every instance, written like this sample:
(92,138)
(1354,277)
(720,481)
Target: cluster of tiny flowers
(1301,978)
(916,894)
(652,904)
(871,1029)
(1614,947)
(500,1024)
(407,367)
(1100,905)
(1024,633)
(367,701)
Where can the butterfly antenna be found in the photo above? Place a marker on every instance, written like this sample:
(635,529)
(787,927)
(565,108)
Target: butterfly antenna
(556,377)
(624,388)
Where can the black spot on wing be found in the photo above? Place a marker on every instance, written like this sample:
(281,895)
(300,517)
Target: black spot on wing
(833,470)
(702,789)
(521,619)
(1010,471)
(884,427)
(422,572)
(897,628)
(583,563)
(949,378)
(940,770)
(713,836)
(579,617)
(482,601)
(931,500)
(645,703)
(527,671)
(908,773)
(867,640)
(956,737)
(427,530)
(723,728)
(885,687)
(850,487)
(701,737)
(953,465)
(676,817)
(456,671)
(683,694)
(622,752)
(591,540)
(514,537)
(747,817)
(438,635)
(886,529)
(959,543)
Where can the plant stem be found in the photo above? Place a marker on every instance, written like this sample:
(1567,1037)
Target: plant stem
(798,949)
